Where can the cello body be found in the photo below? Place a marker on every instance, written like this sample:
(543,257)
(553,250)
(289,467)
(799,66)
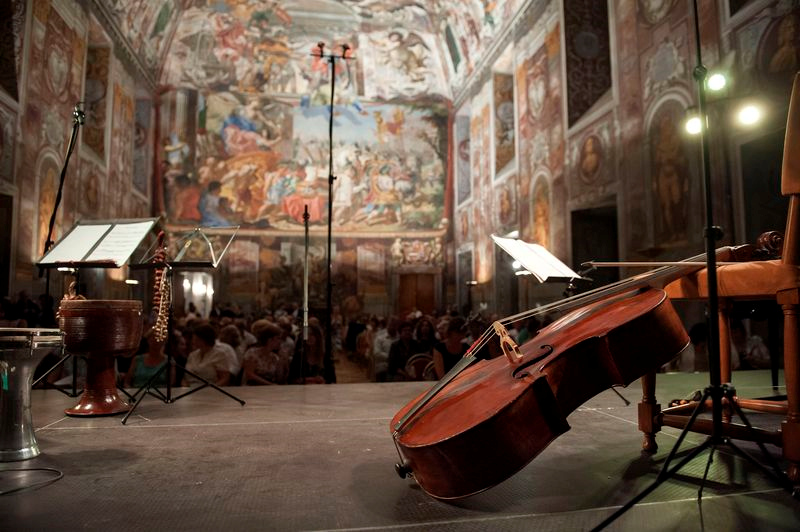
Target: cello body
(496,415)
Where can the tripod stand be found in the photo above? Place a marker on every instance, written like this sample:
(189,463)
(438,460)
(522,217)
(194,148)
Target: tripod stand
(716,391)
(150,388)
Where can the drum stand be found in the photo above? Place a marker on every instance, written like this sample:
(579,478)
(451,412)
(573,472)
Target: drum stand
(151,389)
(716,391)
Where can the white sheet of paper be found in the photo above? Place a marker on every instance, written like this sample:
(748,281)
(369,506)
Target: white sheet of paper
(120,242)
(535,258)
(75,246)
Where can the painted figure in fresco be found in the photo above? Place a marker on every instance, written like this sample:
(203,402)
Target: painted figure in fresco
(176,150)
(506,206)
(671,187)
(590,158)
(210,207)
(541,214)
(186,199)
(785,57)
(398,252)
(407,54)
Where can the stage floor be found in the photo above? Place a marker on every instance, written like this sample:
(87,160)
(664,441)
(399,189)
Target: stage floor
(321,458)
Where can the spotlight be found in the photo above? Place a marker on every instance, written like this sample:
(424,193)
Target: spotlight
(131,281)
(749,114)
(717,82)
(516,265)
(693,125)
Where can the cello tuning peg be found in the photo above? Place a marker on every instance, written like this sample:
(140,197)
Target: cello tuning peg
(403,469)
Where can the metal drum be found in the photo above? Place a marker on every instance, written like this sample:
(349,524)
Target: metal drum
(21,351)
(100,330)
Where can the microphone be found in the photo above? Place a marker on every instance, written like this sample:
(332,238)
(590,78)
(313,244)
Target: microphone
(78,115)
(345,49)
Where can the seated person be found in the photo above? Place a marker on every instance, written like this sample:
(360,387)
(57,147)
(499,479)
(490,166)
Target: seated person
(447,353)
(207,361)
(402,349)
(308,364)
(144,366)
(262,362)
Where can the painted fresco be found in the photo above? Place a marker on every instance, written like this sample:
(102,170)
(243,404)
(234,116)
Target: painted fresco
(262,163)
(242,266)
(92,178)
(122,131)
(8,71)
(259,47)
(48,172)
(541,213)
(777,56)
(142,146)
(463,176)
(146,25)
(8,120)
(670,172)
(463,276)
(588,53)
(96,90)
(473,27)
(541,142)
(53,86)
(504,140)
(505,203)
(408,58)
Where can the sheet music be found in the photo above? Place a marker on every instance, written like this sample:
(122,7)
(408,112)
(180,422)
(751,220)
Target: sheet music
(120,242)
(536,259)
(75,245)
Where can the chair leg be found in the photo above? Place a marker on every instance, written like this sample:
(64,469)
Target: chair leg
(648,411)
(790,428)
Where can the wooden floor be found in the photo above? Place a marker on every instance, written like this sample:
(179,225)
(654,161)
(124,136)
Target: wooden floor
(322,457)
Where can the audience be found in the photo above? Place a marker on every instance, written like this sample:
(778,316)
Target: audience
(262,362)
(208,360)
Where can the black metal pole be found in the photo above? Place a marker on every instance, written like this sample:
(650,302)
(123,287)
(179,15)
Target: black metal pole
(712,234)
(78,118)
(330,373)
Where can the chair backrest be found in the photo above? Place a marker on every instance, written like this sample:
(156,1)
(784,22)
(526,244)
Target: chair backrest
(790,177)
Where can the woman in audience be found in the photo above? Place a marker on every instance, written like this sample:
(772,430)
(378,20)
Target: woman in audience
(143,367)
(207,361)
(447,353)
(308,364)
(262,362)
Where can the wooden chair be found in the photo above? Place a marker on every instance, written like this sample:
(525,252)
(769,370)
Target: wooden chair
(772,279)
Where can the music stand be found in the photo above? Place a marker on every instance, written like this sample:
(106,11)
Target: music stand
(195,252)
(94,244)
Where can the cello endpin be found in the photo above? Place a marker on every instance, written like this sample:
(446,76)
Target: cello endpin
(403,469)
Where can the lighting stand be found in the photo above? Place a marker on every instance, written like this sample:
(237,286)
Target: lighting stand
(716,391)
(330,373)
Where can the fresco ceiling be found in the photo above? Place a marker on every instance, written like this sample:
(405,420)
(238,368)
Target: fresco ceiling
(425,48)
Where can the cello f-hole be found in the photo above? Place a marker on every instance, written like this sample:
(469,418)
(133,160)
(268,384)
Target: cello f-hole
(519,372)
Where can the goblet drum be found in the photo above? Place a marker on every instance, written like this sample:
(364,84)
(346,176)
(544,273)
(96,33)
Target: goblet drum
(100,330)
(21,350)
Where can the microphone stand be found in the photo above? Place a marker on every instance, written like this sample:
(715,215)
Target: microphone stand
(78,119)
(304,347)
(330,373)
(716,390)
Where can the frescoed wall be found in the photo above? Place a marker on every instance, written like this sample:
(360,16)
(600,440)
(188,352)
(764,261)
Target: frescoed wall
(62,66)
(511,112)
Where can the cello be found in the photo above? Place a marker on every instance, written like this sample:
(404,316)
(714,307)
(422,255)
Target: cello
(489,417)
